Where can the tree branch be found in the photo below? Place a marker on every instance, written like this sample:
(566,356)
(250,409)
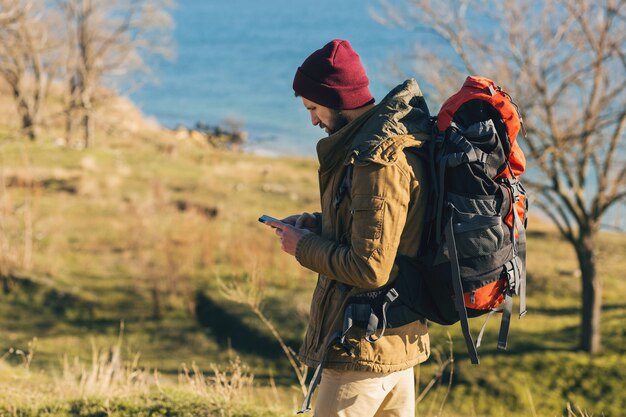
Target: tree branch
(564,228)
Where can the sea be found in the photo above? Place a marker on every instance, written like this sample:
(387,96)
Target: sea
(235,61)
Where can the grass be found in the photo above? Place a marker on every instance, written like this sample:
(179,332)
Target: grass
(147,229)
(112,383)
(106,244)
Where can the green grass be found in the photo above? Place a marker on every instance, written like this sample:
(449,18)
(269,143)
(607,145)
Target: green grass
(165,403)
(107,233)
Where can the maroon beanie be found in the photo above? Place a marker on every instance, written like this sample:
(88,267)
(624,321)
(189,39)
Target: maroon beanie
(334,77)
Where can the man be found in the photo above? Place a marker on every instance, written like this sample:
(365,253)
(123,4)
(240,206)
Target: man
(373,204)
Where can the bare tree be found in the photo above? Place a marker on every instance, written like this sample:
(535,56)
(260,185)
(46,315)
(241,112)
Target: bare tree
(26,57)
(10,12)
(565,63)
(108,40)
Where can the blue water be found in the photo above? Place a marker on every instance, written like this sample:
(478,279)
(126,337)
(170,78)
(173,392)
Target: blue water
(236,59)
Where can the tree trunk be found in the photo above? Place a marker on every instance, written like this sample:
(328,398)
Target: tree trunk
(591,292)
(87,128)
(71,107)
(29,125)
(87,121)
(69,126)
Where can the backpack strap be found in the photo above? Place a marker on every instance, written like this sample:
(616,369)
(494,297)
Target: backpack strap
(390,297)
(515,269)
(360,313)
(459,299)
(518,189)
(516,285)
(367,310)
(506,320)
(317,375)
(468,153)
(482,329)
(346,186)
(357,312)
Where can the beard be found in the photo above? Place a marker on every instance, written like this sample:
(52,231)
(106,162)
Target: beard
(337,122)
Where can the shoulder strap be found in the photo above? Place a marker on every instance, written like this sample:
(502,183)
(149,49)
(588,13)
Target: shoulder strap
(459,299)
(345,187)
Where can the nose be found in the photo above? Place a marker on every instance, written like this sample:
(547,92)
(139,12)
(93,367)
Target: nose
(314,119)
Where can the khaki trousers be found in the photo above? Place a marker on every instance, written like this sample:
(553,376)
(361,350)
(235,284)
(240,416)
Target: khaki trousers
(366,394)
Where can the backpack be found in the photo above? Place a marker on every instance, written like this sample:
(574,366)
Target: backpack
(472,259)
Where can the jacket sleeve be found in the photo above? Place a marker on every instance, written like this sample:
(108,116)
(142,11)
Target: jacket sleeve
(380,201)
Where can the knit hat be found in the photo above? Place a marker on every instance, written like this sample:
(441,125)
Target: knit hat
(333,77)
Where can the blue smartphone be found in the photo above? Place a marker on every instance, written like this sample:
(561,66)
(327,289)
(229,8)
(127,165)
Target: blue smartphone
(264,218)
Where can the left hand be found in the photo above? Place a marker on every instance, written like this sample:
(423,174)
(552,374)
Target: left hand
(289,235)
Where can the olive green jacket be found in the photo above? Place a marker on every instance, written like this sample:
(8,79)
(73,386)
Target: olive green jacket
(359,238)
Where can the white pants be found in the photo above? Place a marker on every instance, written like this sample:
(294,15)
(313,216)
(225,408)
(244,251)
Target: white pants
(366,394)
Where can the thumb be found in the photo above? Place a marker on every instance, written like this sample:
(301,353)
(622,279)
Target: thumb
(301,220)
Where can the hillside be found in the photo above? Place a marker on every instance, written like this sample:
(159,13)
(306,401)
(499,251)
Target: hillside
(148,228)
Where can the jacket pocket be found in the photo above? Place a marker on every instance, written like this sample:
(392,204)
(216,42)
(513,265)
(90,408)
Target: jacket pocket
(367,222)
(367,216)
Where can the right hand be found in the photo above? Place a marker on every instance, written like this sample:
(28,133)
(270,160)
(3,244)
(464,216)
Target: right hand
(302,221)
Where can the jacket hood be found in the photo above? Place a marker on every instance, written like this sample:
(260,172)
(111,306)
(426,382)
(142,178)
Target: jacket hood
(401,119)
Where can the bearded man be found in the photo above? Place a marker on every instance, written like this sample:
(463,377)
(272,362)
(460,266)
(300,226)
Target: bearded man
(373,198)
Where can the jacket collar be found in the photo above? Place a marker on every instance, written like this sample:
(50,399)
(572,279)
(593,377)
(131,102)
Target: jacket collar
(375,136)
(332,150)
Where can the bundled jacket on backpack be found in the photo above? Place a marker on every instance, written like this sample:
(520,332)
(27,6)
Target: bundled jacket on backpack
(364,227)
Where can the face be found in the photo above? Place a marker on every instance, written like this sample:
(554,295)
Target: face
(330,120)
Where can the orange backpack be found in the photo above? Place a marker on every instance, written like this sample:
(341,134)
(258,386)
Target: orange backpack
(473,256)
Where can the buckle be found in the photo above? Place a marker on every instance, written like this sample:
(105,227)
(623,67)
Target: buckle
(391,295)
(512,273)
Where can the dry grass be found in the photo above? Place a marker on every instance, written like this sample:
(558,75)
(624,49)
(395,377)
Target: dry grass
(223,387)
(113,374)
(444,368)
(108,374)
(250,293)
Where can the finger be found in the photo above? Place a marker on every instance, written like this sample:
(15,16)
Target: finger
(299,222)
(291,219)
(275,225)
(302,220)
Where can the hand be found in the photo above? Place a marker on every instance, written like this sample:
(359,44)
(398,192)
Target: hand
(302,221)
(291,219)
(289,235)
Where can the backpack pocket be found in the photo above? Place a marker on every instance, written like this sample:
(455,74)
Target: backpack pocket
(477,225)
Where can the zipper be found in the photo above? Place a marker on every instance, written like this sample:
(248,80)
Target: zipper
(519,113)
